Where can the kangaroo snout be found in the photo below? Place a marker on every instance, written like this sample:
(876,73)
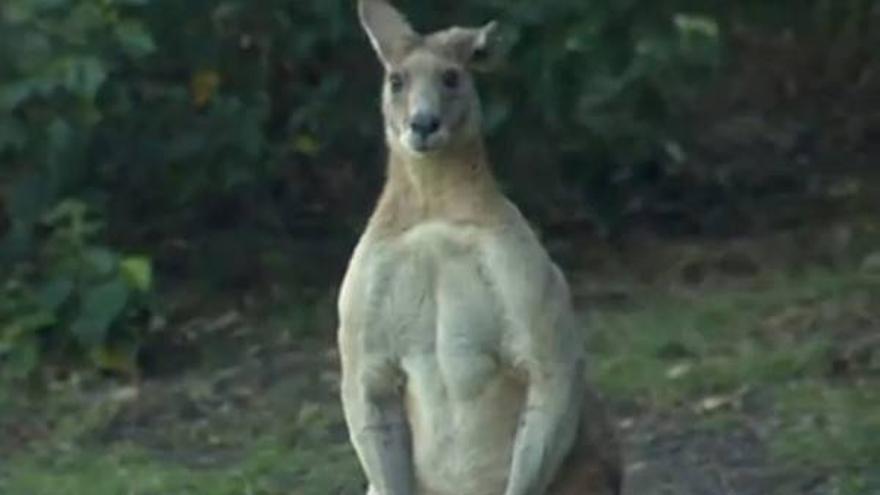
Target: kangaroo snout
(424,124)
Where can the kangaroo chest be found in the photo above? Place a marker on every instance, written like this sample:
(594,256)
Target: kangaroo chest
(437,311)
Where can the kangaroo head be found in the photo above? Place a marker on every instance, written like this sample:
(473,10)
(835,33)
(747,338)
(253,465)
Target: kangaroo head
(429,99)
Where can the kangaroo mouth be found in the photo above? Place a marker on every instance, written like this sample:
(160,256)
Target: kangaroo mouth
(424,144)
(421,145)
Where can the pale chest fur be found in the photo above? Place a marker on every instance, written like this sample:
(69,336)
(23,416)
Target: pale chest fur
(435,320)
(431,294)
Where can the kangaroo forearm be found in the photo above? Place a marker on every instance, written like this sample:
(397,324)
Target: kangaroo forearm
(542,443)
(538,454)
(383,443)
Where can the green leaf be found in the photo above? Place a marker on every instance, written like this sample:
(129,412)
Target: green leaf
(14,94)
(101,307)
(138,272)
(82,76)
(13,136)
(67,211)
(62,157)
(55,293)
(17,243)
(118,358)
(306,145)
(29,199)
(21,12)
(135,39)
(30,323)
(34,50)
(43,5)
(102,260)
(697,24)
(21,358)
(133,3)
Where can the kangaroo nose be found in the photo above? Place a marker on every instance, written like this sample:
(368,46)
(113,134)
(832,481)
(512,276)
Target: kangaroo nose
(424,124)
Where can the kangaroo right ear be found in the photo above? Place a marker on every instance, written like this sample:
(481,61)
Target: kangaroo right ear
(389,32)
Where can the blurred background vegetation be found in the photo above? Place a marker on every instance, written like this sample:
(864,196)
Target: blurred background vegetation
(194,133)
(158,153)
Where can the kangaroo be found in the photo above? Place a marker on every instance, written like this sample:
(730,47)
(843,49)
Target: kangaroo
(463,367)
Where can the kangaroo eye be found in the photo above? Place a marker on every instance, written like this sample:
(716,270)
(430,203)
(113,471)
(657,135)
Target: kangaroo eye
(451,79)
(396,82)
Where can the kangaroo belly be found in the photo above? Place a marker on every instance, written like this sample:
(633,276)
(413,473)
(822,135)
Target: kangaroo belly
(462,446)
(463,402)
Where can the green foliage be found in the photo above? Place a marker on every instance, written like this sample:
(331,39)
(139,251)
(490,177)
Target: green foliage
(175,119)
(837,433)
(74,299)
(733,339)
(600,88)
(65,295)
(181,105)
(264,468)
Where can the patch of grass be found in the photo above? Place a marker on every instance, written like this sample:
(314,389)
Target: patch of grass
(313,463)
(778,340)
(830,426)
(674,352)
(675,349)
(265,469)
(210,432)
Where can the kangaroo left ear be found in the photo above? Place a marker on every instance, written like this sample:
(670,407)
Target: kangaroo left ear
(476,48)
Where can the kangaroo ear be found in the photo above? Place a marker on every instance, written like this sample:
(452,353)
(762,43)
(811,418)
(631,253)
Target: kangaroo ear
(389,32)
(476,48)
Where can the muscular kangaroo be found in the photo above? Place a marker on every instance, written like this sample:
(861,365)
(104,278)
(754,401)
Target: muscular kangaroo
(462,361)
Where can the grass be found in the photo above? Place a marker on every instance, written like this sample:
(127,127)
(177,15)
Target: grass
(784,343)
(783,353)
(298,456)
(832,429)
(265,426)
(265,468)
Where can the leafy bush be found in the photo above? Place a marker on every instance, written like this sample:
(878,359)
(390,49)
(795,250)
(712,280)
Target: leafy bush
(197,119)
(595,96)
(65,295)
(174,110)
(73,299)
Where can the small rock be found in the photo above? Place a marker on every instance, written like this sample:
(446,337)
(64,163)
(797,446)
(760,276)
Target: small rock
(713,403)
(678,371)
(125,394)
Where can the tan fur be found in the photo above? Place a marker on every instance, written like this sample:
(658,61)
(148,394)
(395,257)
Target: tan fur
(458,188)
(463,365)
